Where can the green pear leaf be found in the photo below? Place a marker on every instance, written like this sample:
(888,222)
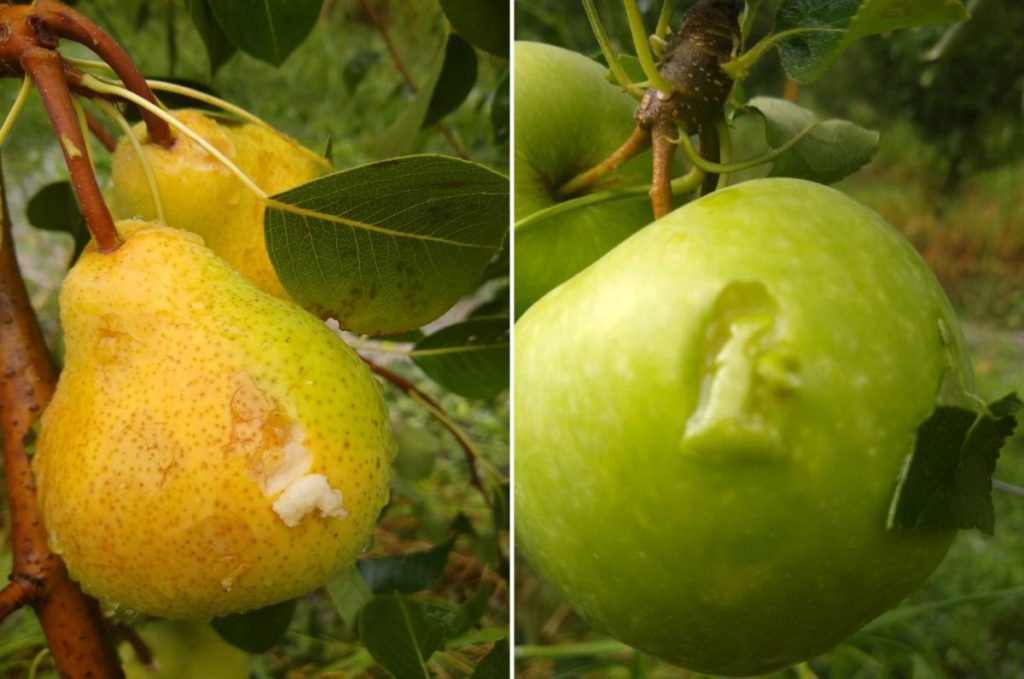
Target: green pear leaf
(484,23)
(831,150)
(807,55)
(389,246)
(470,358)
(349,593)
(406,573)
(219,47)
(946,482)
(256,631)
(495,664)
(269,30)
(55,208)
(402,633)
(458,75)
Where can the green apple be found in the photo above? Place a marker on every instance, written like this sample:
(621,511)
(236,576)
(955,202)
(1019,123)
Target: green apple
(568,118)
(184,649)
(710,421)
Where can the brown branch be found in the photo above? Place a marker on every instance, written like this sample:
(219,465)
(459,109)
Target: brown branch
(68,23)
(74,628)
(102,135)
(421,397)
(663,149)
(18,592)
(46,69)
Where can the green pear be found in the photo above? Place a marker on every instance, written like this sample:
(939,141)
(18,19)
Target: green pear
(209,448)
(711,420)
(184,649)
(568,118)
(201,195)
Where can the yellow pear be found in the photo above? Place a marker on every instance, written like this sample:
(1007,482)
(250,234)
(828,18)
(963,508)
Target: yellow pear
(200,194)
(210,448)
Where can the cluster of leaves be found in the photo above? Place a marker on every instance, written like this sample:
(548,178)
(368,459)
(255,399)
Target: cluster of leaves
(432,593)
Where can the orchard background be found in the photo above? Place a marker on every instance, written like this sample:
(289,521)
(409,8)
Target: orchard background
(340,92)
(948,174)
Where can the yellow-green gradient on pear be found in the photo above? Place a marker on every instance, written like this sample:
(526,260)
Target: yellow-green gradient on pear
(200,194)
(710,422)
(210,448)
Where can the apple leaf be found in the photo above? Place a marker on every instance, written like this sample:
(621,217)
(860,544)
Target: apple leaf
(946,482)
(807,55)
(407,573)
(55,208)
(256,631)
(389,246)
(470,358)
(269,30)
(495,664)
(484,23)
(219,47)
(458,75)
(349,593)
(402,633)
(831,150)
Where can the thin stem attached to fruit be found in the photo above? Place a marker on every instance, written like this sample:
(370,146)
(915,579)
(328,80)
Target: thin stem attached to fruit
(643,48)
(115,115)
(614,65)
(691,153)
(662,150)
(637,142)
(724,151)
(663,29)
(46,69)
(19,103)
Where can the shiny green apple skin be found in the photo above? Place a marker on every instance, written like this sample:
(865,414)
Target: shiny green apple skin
(710,421)
(568,118)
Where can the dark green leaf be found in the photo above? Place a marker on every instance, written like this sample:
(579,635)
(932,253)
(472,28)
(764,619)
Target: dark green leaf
(458,75)
(495,665)
(946,483)
(407,573)
(398,242)
(806,56)
(500,112)
(219,47)
(833,149)
(55,208)
(256,631)
(401,634)
(349,593)
(269,30)
(357,67)
(485,23)
(470,358)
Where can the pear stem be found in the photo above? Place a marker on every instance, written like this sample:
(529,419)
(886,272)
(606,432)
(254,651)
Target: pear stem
(637,142)
(661,168)
(46,69)
(98,131)
(72,622)
(67,23)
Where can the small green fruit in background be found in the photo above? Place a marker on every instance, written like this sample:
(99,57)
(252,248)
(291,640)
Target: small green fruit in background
(210,448)
(711,419)
(184,649)
(568,118)
(200,195)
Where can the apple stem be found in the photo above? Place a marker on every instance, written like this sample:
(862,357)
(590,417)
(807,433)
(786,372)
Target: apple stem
(637,142)
(663,148)
(46,69)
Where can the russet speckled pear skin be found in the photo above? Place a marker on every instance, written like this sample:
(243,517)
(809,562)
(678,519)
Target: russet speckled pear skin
(200,195)
(209,448)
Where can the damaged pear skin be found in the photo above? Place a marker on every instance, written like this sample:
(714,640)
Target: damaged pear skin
(210,448)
